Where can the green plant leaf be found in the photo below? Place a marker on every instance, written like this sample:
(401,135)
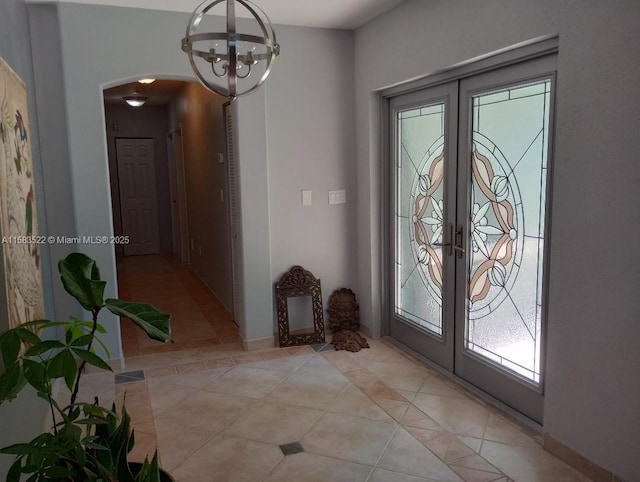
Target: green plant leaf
(92,359)
(89,324)
(10,347)
(68,334)
(43,347)
(151,470)
(95,446)
(35,374)
(46,323)
(81,279)
(35,323)
(11,382)
(27,336)
(157,325)
(13,475)
(58,473)
(64,365)
(83,340)
(20,449)
(104,347)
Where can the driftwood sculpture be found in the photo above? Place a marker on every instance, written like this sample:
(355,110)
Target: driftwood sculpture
(343,311)
(344,321)
(349,340)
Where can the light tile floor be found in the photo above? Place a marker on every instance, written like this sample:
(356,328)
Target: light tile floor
(217,413)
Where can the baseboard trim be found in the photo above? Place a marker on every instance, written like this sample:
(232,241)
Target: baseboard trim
(365,331)
(258,344)
(582,464)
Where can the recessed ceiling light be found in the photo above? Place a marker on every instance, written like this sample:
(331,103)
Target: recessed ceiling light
(146,81)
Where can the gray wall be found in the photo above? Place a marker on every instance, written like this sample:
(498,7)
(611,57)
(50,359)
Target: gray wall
(199,113)
(592,392)
(22,419)
(54,148)
(148,44)
(312,82)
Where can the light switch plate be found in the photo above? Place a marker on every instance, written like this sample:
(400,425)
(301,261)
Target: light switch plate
(337,197)
(306,197)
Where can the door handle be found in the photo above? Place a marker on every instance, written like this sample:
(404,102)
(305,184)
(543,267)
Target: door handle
(447,244)
(453,243)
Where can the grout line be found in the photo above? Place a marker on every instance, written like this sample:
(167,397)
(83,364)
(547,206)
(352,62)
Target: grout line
(387,444)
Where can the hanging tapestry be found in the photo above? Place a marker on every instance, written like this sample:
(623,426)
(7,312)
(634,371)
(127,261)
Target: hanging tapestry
(20,241)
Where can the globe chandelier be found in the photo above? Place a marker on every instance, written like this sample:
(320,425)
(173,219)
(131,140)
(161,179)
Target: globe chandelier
(233,59)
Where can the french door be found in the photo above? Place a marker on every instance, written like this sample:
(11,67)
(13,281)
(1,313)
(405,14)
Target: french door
(468,214)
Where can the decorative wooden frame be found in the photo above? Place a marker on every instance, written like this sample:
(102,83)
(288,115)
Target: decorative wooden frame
(299,282)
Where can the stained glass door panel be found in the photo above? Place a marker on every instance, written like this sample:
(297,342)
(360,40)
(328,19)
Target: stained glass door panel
(422,202)
(419,216)
(509,134)
(505,125)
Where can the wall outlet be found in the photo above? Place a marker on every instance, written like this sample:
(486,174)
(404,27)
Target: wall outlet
(192,244)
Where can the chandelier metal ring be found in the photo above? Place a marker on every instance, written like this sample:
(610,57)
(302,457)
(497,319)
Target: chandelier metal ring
(231,62)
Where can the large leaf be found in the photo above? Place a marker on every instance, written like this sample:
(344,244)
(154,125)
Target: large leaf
(81,279)
(14,472)
(11,382)
(27,336)
(92,359)
(20,449)
(64,365)
(43,347)
(10,345)
(35,374)
(157,325)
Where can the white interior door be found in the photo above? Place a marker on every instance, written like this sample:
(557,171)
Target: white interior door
(138,203)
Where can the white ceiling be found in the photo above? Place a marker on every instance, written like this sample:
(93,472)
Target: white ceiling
(343,14)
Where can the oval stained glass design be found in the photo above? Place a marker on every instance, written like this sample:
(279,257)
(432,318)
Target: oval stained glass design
(427,220)
(495,228)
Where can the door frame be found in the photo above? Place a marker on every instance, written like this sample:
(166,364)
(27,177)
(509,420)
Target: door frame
(520,53)
(487,375)
(178,187)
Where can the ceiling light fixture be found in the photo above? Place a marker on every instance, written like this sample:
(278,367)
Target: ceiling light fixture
(146,81)
(135,100)
(244,48)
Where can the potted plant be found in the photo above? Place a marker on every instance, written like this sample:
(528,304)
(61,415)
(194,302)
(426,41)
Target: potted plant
(87,442)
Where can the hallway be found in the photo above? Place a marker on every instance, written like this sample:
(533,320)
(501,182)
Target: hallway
(198,319)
